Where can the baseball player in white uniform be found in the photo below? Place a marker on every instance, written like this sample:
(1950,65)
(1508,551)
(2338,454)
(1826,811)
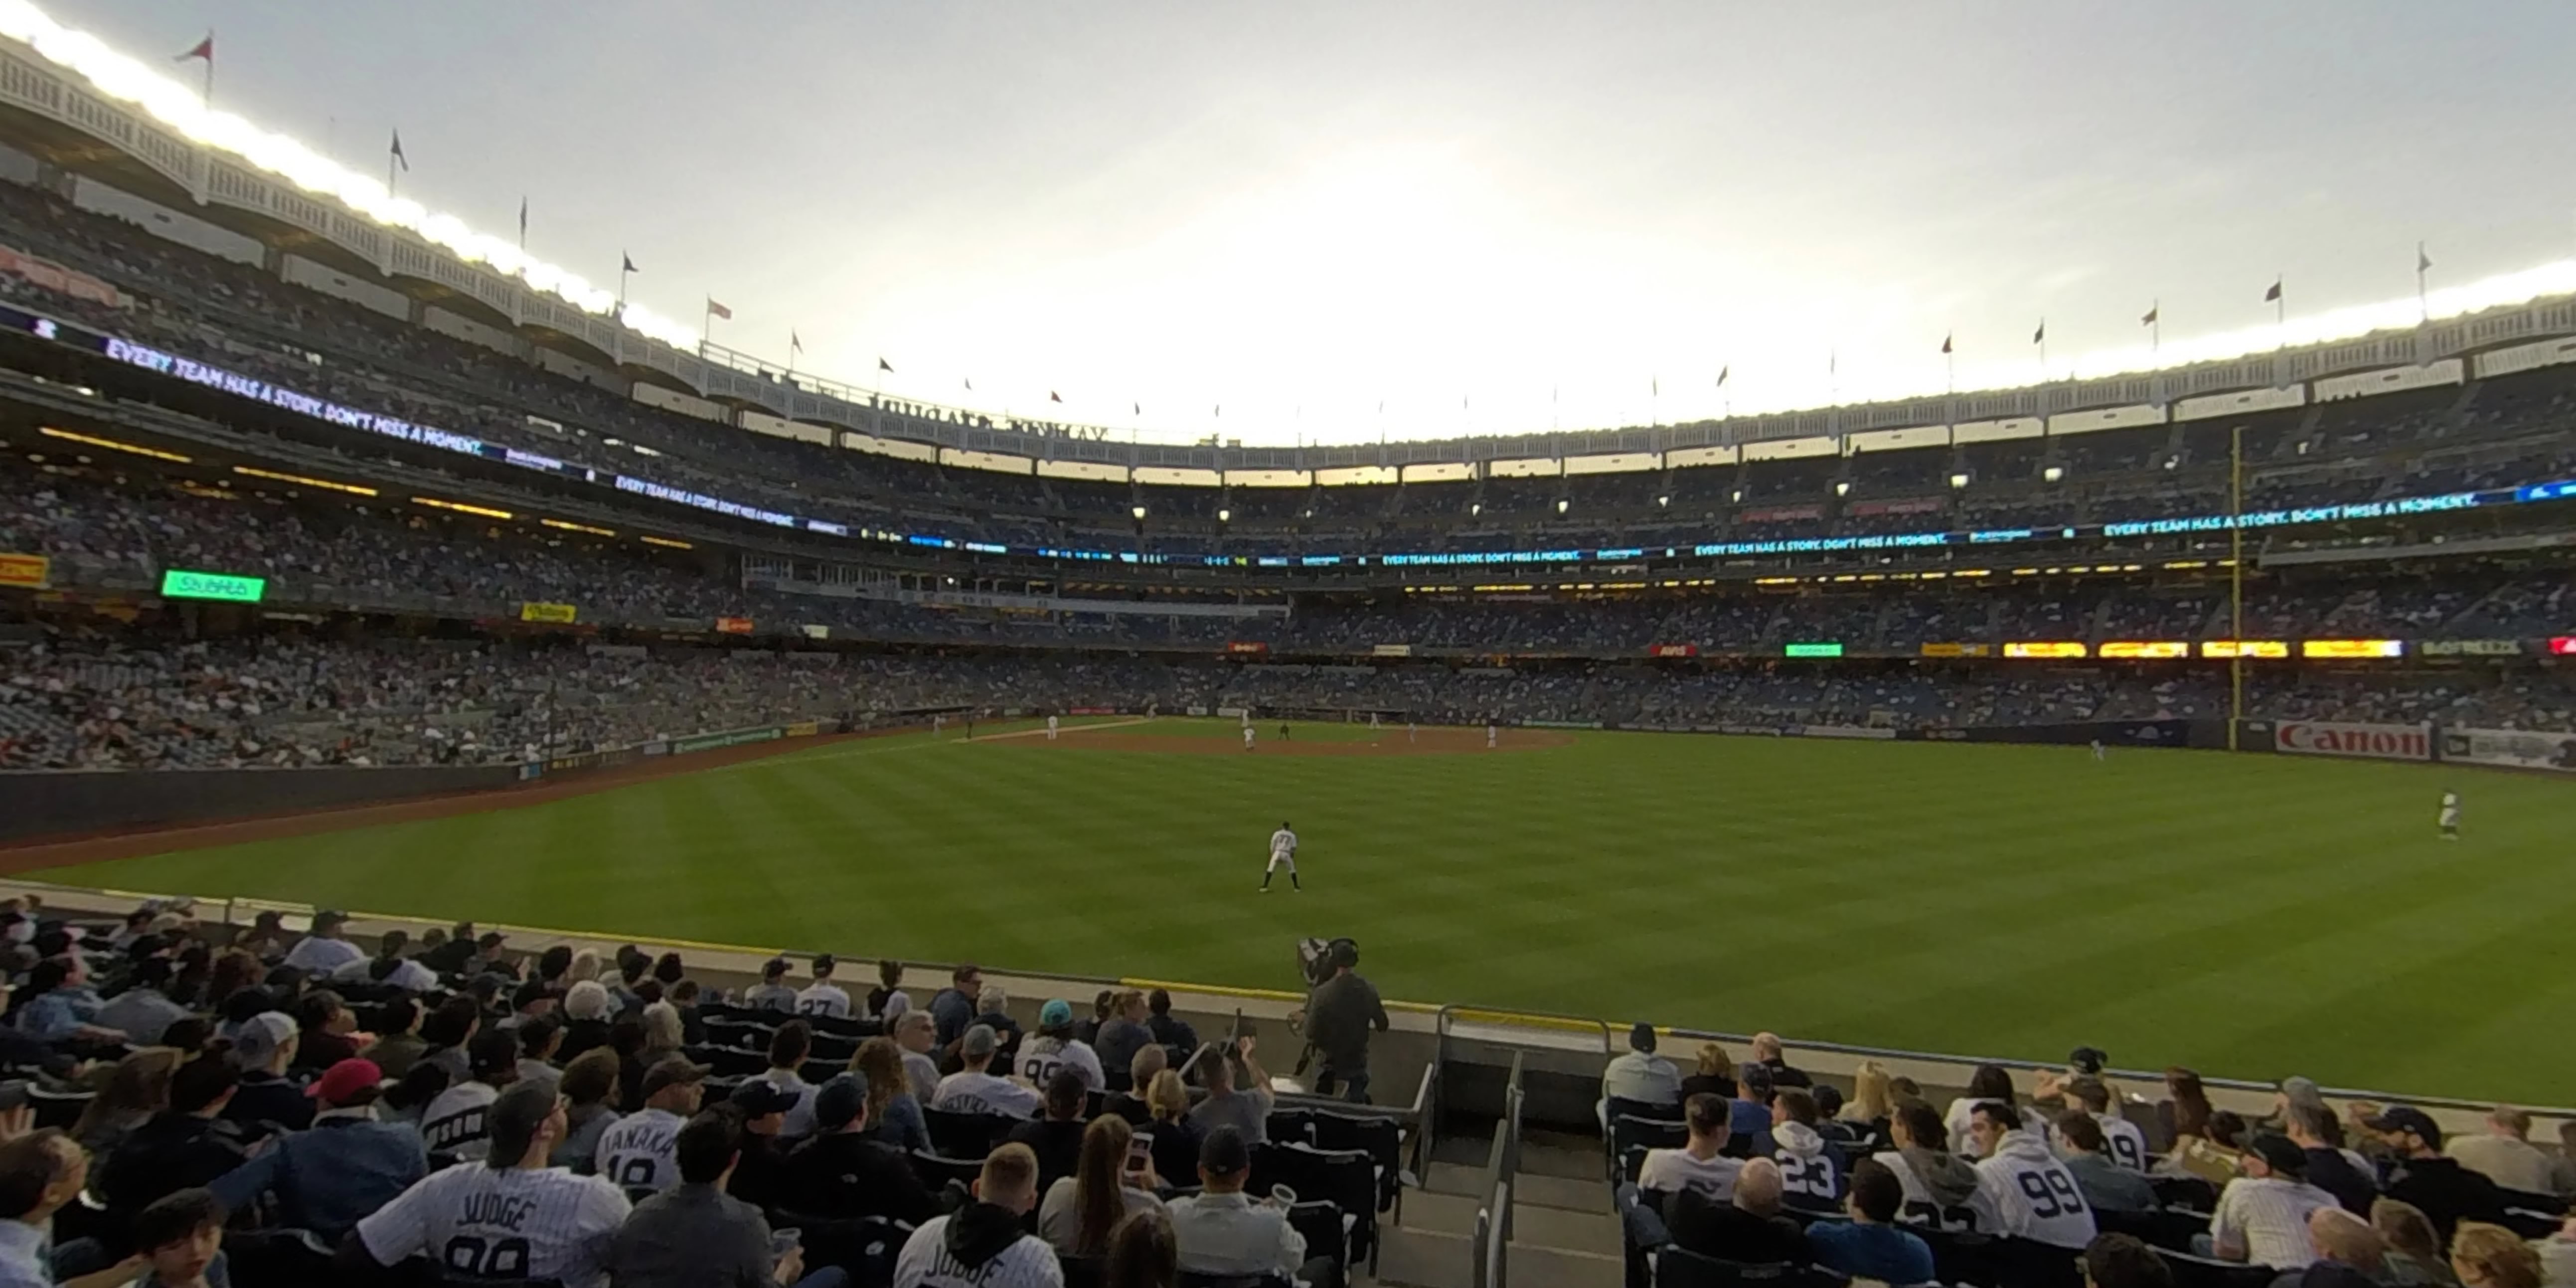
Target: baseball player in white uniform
(1283,854)
(1050,728)
(1493,734)
(511,1216)
(1247,737)
(2450,816)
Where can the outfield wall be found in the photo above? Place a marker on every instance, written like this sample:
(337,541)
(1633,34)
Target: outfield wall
(61,802)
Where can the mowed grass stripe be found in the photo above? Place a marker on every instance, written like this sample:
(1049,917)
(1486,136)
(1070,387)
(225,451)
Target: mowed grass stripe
(2252,915)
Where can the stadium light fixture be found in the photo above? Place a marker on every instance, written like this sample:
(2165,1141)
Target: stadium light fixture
(1663,501)
(1138,511)
(1958,481)
(1560,505)
(1475,509)
(1842,489)
(1736,496)
(1225,516)
(2053,473)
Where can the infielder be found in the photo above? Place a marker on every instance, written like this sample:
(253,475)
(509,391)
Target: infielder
(1283,854)
(1050,728)
(1493,734)
(2450,816)
(1247,737)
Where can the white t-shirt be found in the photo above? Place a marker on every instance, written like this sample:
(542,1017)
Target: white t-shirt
(2038,1197)
(408,975)
(800,1116)
(453,1123)
(1043,1056)
(315,955)
(925,1262)
(641,1151)
(825,999)
(1670,1171)
(969,1092)
(511,1223)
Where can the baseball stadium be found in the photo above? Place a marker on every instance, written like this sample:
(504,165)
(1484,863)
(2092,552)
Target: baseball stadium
(396,630)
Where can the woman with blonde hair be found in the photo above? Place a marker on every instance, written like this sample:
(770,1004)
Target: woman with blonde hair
(2414,1250)
(2491,1256)
(1175,1138)
(894,1116)
(1080,1211)
(1715,1074)
(1872,1102)
(585,966)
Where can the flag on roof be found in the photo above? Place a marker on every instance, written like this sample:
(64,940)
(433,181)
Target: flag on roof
(626,263)
(2273,295)
(399,158)
(2154,311)
(2040,336)
(719,310)
(883,365)
(1051,397)
(794,345)
(1722,374)
(2423,261)
(204,49)
(1945,342)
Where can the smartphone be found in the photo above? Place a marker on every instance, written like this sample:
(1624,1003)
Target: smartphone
(1140,1153)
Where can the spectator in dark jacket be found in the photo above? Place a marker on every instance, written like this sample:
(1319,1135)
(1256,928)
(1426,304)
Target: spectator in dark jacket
(264,1049)
(1748,1228)
(1168,1029)
(1057,1137)
(190,1143)
(842,1173)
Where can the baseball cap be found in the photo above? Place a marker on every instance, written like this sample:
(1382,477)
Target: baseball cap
(2278,1152)
(329,917)
(1642,1038)
(979,1043)
(2086,1059)
(823,965)
(671,1070)
(260,1036)
(1056,1012)
(1224,1153)
(759,1098)
(2407,1118)
(344,1080)
(840,1100)
(492,939)
(515,1116)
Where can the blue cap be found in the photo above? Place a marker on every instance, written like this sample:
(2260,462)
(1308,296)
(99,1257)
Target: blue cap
(1057,1012)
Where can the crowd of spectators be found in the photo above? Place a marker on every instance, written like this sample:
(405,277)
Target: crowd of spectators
(1765,1164)
(234,313)
(136,700)
(251,1105)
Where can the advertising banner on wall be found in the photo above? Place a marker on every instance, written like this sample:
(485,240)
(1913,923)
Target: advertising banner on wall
(2331,738)
(2512,748)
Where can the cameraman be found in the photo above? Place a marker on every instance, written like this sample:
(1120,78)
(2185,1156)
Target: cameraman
(1339,1014)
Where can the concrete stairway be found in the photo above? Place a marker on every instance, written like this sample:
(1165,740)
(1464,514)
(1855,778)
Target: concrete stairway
(1563,1231)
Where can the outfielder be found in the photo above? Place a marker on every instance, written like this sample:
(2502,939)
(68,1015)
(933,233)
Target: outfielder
(1247,737)
(1050,728)
(1283,854)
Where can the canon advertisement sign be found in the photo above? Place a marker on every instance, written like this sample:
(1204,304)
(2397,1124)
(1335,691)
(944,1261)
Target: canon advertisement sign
(2325,738)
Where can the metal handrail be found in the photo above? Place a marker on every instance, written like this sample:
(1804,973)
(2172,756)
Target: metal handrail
(1449,1014)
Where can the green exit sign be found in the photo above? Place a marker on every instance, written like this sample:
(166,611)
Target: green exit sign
(176,584)
(1814,650)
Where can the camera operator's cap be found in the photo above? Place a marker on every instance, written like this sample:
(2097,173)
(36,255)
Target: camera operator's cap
(673,1070)
(979,1043)
(1224,1153)
(1056,1011)
(2407,1118)
(2085,1059)
(344,1080)
(1642,1038)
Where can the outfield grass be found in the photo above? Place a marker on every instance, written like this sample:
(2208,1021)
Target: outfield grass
(2251,916)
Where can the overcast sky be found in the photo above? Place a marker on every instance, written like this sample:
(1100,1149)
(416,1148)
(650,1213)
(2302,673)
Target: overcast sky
(1542,210)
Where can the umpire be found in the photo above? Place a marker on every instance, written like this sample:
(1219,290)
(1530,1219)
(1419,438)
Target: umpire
(1339,1016)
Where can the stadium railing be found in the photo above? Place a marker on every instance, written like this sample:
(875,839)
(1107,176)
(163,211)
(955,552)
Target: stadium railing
(1490,1248)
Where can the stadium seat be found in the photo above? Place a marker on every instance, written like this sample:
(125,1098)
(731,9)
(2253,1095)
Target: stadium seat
(730,1062)
(2028,1263)
(57,1108)
(1680,1268)
(2160,1227)
(1631,1137)
(1325,1229)
(738,1031)
(2547,1204)
(1197,1279)
(854,1031)
(2203,1272)
(2189,1193)
(830,1050)
(1961,1258)
(864,1246)
(937,1170)
(965,1135)
(1618,1105)
(1381,1138)
(1080,1272)
(284,1258)
(1343,1178)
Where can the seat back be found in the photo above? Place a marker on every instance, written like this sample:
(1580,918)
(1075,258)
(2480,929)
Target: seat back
(965,1135)
(937,1170)
(57,1108)
(1201,1279)
(285,1258)
(1319,1222)
(866,1247)
(2156,1227)
(1962,1258)
(1617,1105)
(2028,1263)
(2203,1272)
(1344,1178)
(1080,1272)
(1678,1267)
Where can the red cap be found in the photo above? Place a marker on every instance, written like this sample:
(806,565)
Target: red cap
(343,1081)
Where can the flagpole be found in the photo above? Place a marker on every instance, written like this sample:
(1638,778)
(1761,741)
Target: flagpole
(210,68)
(2423,300)
(2280,312)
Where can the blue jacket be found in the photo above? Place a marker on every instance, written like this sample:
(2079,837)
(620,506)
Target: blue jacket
(331,1177)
